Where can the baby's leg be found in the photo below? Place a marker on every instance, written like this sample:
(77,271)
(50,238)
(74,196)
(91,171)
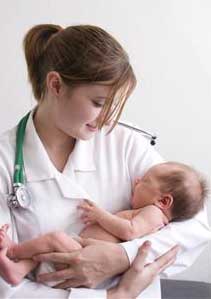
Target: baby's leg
(55,241)
(5,240)
(13,272)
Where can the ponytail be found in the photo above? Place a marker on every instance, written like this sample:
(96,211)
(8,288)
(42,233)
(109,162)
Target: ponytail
(35,43)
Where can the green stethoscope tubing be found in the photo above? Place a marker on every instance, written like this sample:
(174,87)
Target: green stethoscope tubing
(18,177)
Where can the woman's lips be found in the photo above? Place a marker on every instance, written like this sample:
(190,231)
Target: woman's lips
(91,128)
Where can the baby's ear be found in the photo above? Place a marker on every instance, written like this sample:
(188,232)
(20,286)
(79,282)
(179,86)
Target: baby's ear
(165,201)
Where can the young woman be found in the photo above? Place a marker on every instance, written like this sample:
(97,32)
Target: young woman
(73,149)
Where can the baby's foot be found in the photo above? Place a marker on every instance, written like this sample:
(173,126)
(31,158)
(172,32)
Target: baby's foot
(5,241)
(8,269)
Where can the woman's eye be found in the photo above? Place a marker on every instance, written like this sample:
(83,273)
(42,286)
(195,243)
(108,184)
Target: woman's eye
(97,104)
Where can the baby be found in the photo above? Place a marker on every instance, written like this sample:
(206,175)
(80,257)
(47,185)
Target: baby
(167,192)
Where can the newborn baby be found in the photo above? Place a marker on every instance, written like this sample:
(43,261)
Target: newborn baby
(167,192)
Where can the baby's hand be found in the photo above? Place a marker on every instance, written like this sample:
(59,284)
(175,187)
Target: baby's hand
(91,212)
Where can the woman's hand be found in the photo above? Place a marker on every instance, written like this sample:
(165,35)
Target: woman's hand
(140,276)
(89,266)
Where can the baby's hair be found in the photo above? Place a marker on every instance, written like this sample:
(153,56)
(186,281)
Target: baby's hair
(187,186)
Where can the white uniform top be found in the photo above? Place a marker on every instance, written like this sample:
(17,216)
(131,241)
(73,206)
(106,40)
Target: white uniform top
(101,169)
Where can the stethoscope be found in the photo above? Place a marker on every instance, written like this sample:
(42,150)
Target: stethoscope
(20,196)
(152,137)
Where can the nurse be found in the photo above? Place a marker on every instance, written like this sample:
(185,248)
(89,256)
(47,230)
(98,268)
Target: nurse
(73,149)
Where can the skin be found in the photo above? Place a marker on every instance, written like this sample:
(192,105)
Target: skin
(140,274)
(62,116)
(134,280)
(146,191)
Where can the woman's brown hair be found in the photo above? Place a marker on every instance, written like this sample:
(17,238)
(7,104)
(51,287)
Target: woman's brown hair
(82,54)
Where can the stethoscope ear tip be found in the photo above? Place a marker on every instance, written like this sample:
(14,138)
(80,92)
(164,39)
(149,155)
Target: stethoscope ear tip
(153,138)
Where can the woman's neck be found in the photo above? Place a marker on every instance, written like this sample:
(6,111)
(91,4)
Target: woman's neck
(57,144)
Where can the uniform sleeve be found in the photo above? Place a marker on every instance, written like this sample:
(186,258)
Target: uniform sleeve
(192,235)
(140,155)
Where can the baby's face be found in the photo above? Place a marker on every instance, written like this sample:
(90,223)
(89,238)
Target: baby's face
(146,190)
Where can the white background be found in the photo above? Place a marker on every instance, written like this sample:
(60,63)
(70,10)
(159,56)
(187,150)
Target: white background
(169,43)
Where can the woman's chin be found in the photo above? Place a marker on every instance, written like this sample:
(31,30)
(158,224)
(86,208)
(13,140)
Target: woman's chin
(86,136)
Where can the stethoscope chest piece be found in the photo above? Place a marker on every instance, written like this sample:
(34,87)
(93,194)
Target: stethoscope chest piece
(20,197)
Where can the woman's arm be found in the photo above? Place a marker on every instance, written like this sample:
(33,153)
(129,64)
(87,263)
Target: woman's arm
(93,264)
(132,283)
(140,275)
(191,235)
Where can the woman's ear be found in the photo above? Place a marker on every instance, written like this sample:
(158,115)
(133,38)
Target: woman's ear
(165,201)
(53,82)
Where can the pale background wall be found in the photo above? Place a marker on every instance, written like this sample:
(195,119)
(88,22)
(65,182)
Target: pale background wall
(169,42)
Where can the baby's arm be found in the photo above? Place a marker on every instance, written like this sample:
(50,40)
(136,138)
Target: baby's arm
(147,221)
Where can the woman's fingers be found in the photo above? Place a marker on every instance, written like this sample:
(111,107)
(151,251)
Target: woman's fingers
(163,261)
(57,257)
(140,275)
(58,275)
(167,258)
(140,259)
(69,283)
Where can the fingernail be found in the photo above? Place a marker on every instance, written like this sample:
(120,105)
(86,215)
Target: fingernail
(148,243)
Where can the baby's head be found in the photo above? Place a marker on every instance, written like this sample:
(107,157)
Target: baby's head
(177,189)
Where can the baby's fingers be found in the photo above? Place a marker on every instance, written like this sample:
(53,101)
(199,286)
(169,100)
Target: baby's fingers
(89,202)
(5,227)
(84,207)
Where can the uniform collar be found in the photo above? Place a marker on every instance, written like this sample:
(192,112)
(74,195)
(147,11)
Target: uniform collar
(82,157)
(37,163)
